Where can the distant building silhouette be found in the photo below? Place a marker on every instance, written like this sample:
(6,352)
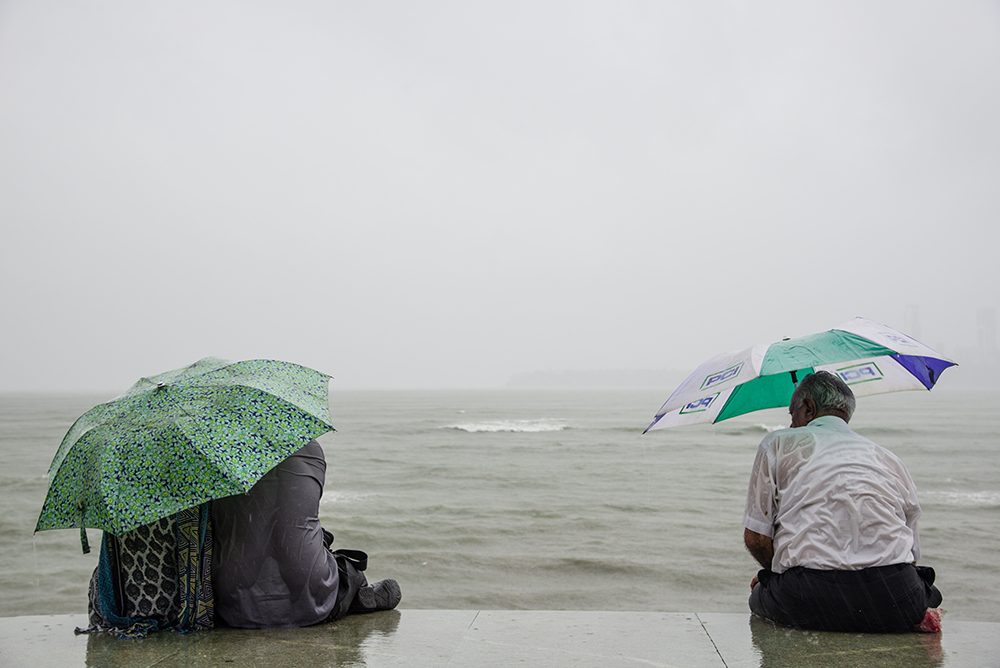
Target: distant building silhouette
(911,321)
(988,337)
(980,363)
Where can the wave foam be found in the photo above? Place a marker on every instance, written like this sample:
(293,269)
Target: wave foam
(340,498)
(519,426)
(966,499)
(760,426)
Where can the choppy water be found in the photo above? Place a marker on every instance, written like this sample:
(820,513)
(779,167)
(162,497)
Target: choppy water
(531,499)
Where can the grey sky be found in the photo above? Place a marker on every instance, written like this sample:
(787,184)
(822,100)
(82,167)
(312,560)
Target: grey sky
(444,194)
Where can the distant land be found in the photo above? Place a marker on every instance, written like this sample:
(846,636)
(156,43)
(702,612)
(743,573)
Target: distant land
(602,378)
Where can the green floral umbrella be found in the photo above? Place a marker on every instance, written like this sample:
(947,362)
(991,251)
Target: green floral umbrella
(181,438)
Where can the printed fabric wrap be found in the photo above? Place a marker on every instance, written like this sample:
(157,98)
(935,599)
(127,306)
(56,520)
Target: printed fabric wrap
(194,558)
(156,577)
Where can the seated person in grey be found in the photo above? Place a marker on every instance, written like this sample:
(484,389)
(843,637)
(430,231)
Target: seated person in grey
(272,566)
(832,519)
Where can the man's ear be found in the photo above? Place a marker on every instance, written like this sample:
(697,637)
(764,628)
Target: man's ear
(811,410)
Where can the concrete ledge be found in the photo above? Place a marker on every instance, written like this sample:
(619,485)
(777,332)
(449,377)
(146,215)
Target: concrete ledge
(482,639)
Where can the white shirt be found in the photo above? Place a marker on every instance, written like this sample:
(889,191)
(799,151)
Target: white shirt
(832,500)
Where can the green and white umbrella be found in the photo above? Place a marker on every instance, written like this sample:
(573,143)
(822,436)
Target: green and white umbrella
(181,438)
(871,358)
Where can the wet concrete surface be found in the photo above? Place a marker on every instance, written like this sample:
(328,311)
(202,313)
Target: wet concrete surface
(487,638)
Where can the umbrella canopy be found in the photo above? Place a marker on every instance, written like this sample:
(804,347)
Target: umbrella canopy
(181,438)
(869,357)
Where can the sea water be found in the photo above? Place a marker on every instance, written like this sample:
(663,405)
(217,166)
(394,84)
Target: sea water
(548,499)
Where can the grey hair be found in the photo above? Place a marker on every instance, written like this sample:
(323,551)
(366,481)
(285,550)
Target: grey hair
(827,390)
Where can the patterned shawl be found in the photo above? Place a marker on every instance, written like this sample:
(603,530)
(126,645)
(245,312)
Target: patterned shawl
(156,577)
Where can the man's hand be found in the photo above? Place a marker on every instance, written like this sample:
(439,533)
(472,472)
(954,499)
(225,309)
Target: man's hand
(760,547)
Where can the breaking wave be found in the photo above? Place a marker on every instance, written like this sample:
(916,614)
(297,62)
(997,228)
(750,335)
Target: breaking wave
(965,499)
(756,428)
(340,498)
(760,426)
(520,426)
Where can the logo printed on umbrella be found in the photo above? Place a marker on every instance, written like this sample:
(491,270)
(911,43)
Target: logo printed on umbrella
(722,376)
(699,405)
(901,339)
(860,373)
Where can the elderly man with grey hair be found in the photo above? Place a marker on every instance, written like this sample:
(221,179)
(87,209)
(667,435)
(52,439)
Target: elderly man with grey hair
(832,519)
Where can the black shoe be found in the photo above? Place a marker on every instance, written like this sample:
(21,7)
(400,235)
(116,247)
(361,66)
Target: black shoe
(383,595)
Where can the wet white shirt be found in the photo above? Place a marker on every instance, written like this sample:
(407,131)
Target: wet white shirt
(832,500)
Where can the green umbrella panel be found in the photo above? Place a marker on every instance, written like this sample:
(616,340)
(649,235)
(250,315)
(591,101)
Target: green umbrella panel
(788,361)
(181,438)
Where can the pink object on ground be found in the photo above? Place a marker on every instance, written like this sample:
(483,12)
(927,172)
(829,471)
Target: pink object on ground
(932,621)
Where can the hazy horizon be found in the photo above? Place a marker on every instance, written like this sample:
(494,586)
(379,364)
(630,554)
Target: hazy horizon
(446,195)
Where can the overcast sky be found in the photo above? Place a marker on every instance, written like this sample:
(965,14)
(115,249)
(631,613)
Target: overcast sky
(443,194)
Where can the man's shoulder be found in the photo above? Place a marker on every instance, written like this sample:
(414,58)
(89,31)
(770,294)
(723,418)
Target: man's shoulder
(781,441)
(788,434)
(820,427)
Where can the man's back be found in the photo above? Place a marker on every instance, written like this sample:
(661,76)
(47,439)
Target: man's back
(832,519)
(834,500)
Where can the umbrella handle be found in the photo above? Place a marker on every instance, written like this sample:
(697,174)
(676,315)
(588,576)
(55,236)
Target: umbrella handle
(84,543)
